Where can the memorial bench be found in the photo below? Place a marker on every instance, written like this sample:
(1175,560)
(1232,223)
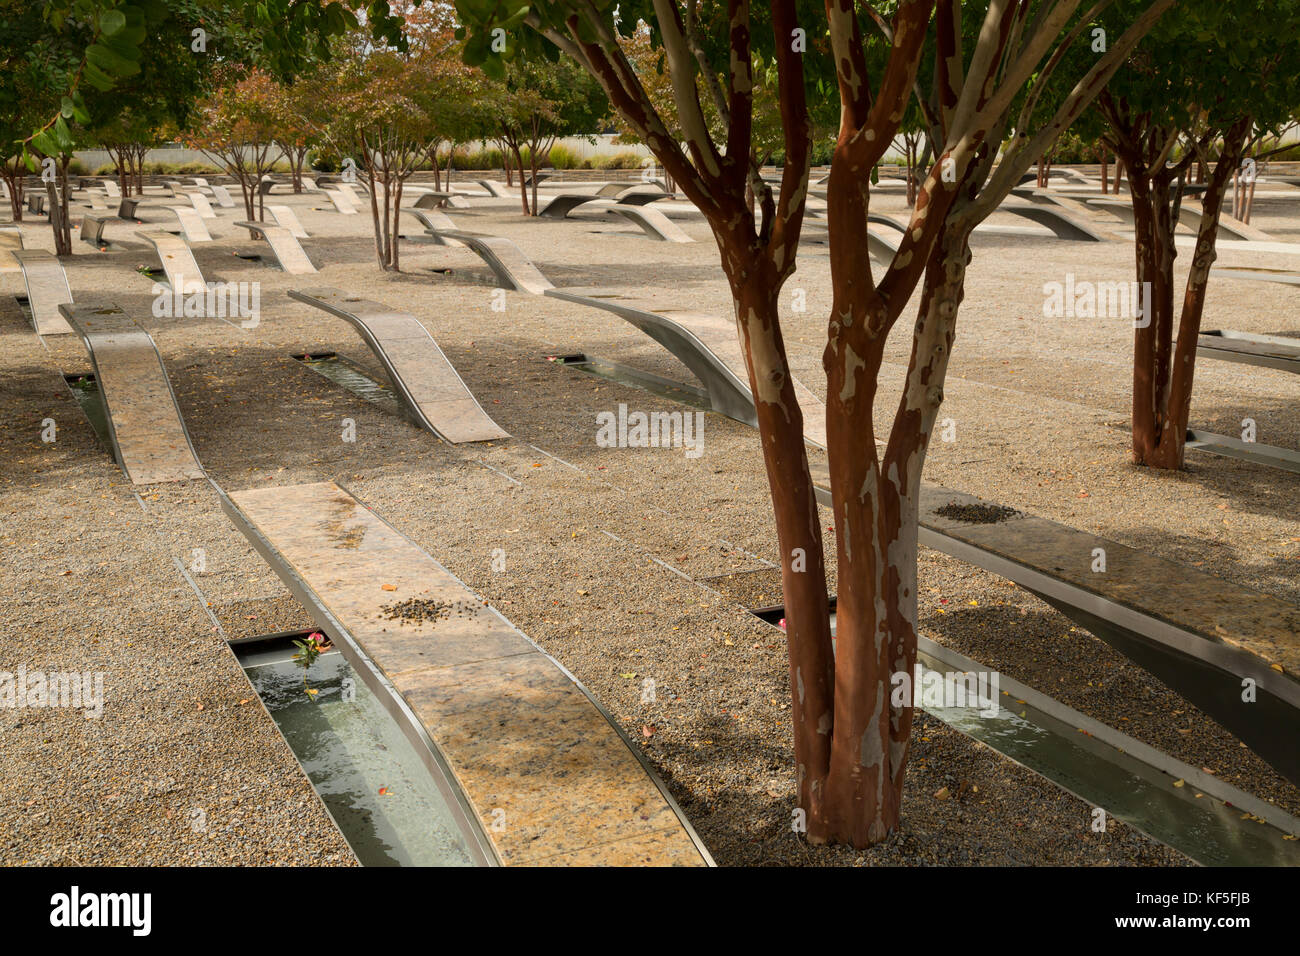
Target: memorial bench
(145,427)
(524,742)
(427,384)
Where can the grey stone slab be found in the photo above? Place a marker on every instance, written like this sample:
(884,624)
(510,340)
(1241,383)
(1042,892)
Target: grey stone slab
(514,269)
(651,221)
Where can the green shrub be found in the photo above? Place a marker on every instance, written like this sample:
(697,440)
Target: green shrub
(478,159)
(623,160)
(107,169)
(178,169)
(561,157)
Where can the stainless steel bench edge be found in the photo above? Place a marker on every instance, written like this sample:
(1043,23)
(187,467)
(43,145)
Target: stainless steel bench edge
(728,395)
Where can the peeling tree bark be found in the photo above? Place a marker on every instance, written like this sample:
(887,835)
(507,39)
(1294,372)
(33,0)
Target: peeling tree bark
(1164,341)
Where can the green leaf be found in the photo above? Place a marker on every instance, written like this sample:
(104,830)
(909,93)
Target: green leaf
(111,21)
(111,62)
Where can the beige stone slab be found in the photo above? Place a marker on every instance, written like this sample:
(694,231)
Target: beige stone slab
(286,217)
(191,223)
(177,260)
(149,436)
(520,737)
(288,252)
(423,376)
(47,289)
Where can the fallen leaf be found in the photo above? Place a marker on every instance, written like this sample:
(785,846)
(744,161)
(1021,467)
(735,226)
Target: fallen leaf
(389,587)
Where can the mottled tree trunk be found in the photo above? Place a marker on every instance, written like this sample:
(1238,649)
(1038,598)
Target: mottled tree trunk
(1164,361)
(13,177)
(798,528)
(876,507)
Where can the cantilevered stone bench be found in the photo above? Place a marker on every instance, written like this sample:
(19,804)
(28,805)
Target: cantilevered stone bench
(284,216)
(561,204)
(1191,211)
(92,230)
(191,224)
(514,269)
(433,199)
(1199,634)
(97,199)
(494,188)
(883,247)
(183,273)
(126,208)
(427,384)
(1264,351)
(201,205)
(527,746)
(144,422)
(285,247)
(222,195)
(1073,206)
(652,222)
(708,346)
(342,201)
(435,223)
(47,289)
(1062,225)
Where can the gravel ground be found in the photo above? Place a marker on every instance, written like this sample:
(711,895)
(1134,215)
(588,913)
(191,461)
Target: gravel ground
(91,580)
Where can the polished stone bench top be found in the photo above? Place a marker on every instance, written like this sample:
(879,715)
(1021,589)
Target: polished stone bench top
(148,434)
(521,738)
(423,377)
(47,289)
(288,252)
(1210,607)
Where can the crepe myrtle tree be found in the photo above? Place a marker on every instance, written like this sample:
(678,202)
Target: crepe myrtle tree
(993,61)
(236,127)
(1210,84)
(536,103)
